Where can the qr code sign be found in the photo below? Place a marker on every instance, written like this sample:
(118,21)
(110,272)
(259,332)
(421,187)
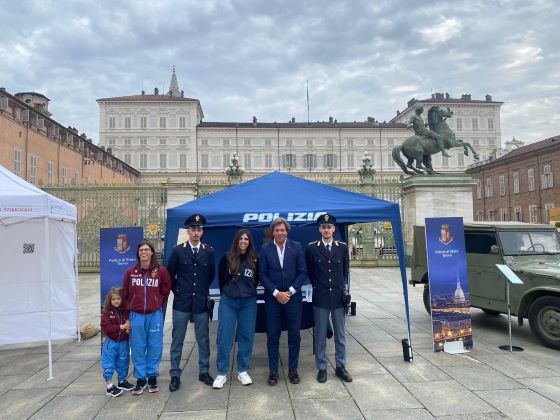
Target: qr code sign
(28,248)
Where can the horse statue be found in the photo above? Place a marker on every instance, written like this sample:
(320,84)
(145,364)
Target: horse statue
(420,149)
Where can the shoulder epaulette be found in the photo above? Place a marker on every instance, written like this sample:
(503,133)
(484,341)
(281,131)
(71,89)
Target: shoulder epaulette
(340,242)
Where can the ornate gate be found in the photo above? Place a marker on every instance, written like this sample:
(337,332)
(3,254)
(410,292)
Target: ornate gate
(113,206)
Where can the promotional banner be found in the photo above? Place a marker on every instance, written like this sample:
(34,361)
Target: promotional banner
(449,292)
(117,254)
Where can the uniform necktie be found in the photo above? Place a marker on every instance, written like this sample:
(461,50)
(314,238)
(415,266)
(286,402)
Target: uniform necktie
(195,251)
(329,248)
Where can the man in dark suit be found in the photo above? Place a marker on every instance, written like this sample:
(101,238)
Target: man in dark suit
(282,273)
(327,268)
(192,268)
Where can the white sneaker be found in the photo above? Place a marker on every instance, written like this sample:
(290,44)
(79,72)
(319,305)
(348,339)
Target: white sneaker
(219,381)
(244,378)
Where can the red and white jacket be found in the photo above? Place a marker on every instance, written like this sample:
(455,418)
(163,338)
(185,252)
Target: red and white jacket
(111,321)
(145,290)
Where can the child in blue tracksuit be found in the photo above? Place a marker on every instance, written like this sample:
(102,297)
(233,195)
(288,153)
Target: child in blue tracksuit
(115,354)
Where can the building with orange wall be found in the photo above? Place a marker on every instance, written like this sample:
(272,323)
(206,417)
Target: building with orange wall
(43,152)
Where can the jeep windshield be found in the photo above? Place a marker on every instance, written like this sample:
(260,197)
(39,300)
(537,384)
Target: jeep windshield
(541,242)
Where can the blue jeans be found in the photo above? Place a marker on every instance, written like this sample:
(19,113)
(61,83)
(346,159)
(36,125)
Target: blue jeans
(232,311)
(146,343)
(180,323)
(115,356)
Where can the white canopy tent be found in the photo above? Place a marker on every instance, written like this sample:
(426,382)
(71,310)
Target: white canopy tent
(39,281)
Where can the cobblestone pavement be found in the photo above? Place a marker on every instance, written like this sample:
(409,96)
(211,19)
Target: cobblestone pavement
(486,383)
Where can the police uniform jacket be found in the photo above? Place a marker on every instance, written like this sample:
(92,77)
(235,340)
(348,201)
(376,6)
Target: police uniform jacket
(191,277)
(327,273)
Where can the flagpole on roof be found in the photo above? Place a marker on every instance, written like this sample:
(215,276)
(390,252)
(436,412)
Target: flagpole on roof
(308,102)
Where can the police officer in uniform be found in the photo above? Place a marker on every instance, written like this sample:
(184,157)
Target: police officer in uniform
(327,268)
(192,268)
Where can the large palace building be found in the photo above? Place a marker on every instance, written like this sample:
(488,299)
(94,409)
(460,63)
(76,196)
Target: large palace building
(43,152)
(162,133)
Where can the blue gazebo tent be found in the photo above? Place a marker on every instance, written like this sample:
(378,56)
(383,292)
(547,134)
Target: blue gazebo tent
(255,203)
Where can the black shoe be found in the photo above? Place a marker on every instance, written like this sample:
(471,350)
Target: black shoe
(175,383)
(343,374)
(293,376)
(113,391)
(152,384)
(125,385)
(206,378)
(272,378)
(322,376)
(140,387)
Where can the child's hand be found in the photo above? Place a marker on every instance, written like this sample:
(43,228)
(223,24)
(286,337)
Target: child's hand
(127,324)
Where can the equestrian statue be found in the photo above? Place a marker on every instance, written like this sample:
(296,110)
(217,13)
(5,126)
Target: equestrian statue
(426,142)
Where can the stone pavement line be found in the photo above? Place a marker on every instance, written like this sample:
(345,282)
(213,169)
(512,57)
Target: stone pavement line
(487,383)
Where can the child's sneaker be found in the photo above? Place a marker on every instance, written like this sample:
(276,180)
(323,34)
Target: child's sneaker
(113,391)
(152,384)
(125,385)
(140,387)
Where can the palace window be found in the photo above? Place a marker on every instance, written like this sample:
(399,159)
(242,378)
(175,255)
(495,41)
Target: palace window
(143,122)
(490,124)
(350,142)
(127,122)
(247,160)
(329,160)
(478,189)
(247,142)
(518,214)
(226,160)
(127,142)
(546,212)
(183,161)
(268,161)
(143,161)
(531,179)
(475,123)
(515,177)
(204,160)
(502,184)
(112,122)
(488,190)
(268,143)
(32,169)
(289,160)
(182,141)
(17,162)
(162,122)
(204,142)
(127,158)
(309,143)
(182,122)
(460,159)
(289,143)
(459,123)
(310,161)
(163,161)
(50,171)
(225,142)
(503,215)
(533,214)
(143,142)
(350,160)
(546,177)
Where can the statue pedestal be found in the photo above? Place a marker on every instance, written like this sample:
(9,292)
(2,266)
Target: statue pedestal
(446,195)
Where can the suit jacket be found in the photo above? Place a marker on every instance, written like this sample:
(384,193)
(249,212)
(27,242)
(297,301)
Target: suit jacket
(191,277)
(327,273)
(273,276)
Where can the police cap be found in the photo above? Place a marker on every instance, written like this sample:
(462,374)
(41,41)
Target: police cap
(195,220)
(326,219)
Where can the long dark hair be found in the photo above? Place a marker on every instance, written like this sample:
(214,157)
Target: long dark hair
(234,260)
(113,291)
(153,262)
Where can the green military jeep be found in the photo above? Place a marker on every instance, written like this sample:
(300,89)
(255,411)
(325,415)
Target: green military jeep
(532,251)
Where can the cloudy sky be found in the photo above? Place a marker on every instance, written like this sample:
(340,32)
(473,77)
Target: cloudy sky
(245,57)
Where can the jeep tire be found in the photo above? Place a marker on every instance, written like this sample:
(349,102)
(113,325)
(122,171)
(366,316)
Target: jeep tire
(544,320)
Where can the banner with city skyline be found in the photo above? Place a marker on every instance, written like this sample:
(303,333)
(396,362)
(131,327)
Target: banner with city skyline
(449,291)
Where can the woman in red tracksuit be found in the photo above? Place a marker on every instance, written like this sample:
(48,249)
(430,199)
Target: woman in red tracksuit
(146,287)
